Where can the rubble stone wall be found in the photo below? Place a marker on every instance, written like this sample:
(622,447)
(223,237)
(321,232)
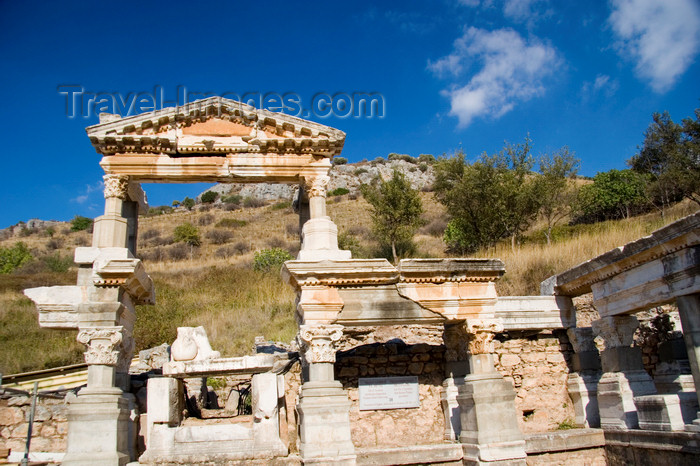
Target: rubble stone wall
(396,427)
(50,429)
(538,366)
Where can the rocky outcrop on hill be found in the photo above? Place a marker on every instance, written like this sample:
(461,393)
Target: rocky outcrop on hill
(350,177)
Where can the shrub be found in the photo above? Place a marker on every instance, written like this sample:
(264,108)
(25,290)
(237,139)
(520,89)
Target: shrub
(188,234)
(231,223)
(252,202)
(426,158)
(218,236)
(281,205)
(292,229)
(360,171)
(156,254)
(339,161)
(159,210)
(276,242)
(54,243)
(148,234)
(188,202)
(80,223)
(50,231)
(270,260)
(58,264)
(379,160)
(404,157)
(436,227)
(232,199)
(14,257)
(231,207)
(423,167)
(178,252)
(204,220)
(209,197)
(338,191)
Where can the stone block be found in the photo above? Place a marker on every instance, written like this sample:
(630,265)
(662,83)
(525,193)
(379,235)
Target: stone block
(165,401)
(616,392)
(659,412)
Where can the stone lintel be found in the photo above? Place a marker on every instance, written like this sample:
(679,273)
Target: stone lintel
(535,312)
(351,272)
(575,439)
(683,234)
(213,367)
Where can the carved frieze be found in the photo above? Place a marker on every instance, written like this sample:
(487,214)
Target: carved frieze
(104,344)
(319,342)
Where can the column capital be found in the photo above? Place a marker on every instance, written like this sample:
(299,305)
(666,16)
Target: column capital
(104,344)
(582,339)
(319,342)
(116,186)
(317,186)
(617,331)
(481,333)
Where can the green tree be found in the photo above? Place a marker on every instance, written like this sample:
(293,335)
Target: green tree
(670,156)
(270,260)
(557,188)
(188,234)
(80,223)
(188,202)
(209,197)
(396,211)
(14,257)
(614,194)
(493,198)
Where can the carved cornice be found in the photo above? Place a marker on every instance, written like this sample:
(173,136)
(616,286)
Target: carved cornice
(161,132)
(103,344)
(351,272)
(127,273)
(684,233)
(319,342)
(116,186)
(450,270)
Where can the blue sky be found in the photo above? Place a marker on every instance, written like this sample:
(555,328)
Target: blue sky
(453,74)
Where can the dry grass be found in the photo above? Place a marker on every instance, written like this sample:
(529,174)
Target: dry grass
(235,303)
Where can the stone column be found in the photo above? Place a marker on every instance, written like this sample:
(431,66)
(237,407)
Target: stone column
(689,310)
(101,420)
(583,380)
(319,234)
(489,425)
(111,229)
(624,376)
(324,407)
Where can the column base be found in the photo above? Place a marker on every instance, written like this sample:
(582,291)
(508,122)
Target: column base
(616,392)
(324,420)
(320,241)
(450,407)
(583,390)
(490,432)
(100,430)
(666,412)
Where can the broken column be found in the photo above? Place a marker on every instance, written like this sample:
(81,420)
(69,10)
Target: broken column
(489,426)
(583,381)
(111,282)
(324,407)
(624,376)
(319,234)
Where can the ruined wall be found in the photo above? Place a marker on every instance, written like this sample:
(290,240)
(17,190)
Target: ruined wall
(50,429)
(538,366)
(394,351)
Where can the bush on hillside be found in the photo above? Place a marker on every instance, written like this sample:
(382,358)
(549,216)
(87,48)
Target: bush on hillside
(426,158)
(80,223)
(231,223)
(188,234)
(338,192)
(252,202)
(188,202)
(13,257)
(270,260)
(339,161)
(209,197)
(219,236)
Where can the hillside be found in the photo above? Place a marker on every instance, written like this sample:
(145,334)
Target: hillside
(214,285)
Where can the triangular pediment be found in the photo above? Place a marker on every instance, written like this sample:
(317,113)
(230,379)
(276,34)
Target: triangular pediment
(213,126)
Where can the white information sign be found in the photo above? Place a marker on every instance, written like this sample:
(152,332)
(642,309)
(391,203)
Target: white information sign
(388,393)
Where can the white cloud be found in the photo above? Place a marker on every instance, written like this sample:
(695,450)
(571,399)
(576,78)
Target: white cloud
(662,36)
(601,84)
(512,71)
(471,3)
(89,189)
(521,10)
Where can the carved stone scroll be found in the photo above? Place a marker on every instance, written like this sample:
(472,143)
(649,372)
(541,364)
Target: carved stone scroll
(116,186)
(319,342)
(481,334)
(103,344)
(318,186)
